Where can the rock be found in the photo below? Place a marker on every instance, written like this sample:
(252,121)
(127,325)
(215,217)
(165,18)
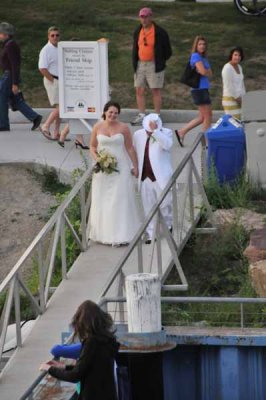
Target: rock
(250,220)
(256,249)
(257,273)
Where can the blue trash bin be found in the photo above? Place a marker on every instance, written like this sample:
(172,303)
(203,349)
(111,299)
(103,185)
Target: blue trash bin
(226,148)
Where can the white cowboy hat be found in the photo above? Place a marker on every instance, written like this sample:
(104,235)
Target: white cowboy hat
(151,117)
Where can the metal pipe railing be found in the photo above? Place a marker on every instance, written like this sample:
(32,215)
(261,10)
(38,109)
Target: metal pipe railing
(195,300)
(13,282)
(188,159)
(59,220)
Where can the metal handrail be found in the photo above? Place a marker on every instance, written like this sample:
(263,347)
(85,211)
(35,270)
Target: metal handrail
(155,210)
(195,300)
(137,241)
(47,227)
(13,281)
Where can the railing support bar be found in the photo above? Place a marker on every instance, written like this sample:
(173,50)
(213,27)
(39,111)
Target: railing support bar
(175,211)
(7,310)
(35,304)
(174,251)
(17,312)
(74,234)
(203,194)
(41,276)
(159,243)
(63,248)
(140,257)
(52,260)
(83,218)
(191,192)
(242,314)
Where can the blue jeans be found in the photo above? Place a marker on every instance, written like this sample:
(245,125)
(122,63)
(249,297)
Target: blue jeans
(5,95)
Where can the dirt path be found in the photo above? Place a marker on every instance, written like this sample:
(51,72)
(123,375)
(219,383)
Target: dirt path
(24,208)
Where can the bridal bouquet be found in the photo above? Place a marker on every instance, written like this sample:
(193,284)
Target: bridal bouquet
(106,163)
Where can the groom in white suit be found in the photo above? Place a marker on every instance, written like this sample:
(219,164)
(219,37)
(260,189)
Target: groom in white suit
(153,145)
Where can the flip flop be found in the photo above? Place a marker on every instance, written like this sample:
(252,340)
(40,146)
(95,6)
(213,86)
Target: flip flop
(180,140)
(46,133)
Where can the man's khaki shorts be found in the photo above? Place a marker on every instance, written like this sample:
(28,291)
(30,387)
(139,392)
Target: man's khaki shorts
(146,76)
(52,90)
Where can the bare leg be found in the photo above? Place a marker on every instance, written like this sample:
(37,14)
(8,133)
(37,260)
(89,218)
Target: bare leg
(51,118)
(157,100)
(80,139)
(64,133)
(57,128)
(190,125)
(140,95)
(206,111)
(207,115)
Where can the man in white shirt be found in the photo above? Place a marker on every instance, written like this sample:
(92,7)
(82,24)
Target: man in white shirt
(48,66)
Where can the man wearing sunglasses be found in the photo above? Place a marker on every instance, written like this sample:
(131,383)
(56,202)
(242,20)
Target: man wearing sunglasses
(10,93)
(151,50)
(48,66)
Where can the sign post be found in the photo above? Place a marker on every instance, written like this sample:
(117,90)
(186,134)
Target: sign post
(83,81)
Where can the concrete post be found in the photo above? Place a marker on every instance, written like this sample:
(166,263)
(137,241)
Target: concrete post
(143,293)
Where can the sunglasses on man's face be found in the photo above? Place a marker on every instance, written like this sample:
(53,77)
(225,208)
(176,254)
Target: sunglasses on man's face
(55,35)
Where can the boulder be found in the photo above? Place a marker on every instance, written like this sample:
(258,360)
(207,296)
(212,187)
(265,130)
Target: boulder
(257,273)
(256,249)
(250,220)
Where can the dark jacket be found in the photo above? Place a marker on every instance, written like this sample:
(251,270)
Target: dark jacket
(94,370)
(162,48)
(11,59)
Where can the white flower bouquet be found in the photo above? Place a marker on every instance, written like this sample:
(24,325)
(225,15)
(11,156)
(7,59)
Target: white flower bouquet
(106,163)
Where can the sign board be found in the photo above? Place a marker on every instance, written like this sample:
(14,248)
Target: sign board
(83,79)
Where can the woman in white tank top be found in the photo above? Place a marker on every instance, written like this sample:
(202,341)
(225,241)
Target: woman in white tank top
(233,83)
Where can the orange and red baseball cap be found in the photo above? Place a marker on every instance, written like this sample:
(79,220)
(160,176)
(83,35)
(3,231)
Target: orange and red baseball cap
(145,12)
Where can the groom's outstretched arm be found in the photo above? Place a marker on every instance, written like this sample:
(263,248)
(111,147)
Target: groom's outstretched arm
(164,137)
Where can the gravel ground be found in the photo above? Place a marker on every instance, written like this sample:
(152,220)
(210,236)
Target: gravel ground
(24,209)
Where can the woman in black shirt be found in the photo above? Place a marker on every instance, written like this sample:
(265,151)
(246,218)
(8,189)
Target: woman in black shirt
(95,367)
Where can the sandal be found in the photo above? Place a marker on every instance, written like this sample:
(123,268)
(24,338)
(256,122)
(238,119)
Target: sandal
(62,144)
(45,133)
(180,140)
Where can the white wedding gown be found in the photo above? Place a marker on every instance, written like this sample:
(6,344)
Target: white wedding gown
(114,217)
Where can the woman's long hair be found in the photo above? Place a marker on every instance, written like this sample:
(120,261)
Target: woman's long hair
(195,44)
(89,320)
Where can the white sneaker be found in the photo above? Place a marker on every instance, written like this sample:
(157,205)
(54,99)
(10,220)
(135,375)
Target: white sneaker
(138,119)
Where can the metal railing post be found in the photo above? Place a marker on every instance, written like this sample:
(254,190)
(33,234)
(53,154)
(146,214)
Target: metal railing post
(120,294)
(5,320)
(52,259)
(41,276)
(140,257)
(175,211)
(83,217)
(63,248)
(191,193)
(242,314)
(159,244)
(17,311)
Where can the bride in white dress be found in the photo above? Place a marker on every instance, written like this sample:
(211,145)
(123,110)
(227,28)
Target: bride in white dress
(114,217)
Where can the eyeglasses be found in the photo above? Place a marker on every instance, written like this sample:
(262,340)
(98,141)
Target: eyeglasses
(145,41)
(55,35)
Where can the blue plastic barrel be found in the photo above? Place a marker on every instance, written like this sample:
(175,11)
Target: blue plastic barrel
(226,148)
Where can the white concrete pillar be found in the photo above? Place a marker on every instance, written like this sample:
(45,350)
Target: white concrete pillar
(143,292)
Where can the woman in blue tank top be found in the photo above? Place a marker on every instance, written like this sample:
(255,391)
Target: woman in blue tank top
(200,96)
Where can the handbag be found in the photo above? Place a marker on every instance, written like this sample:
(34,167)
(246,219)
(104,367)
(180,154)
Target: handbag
(191,77)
